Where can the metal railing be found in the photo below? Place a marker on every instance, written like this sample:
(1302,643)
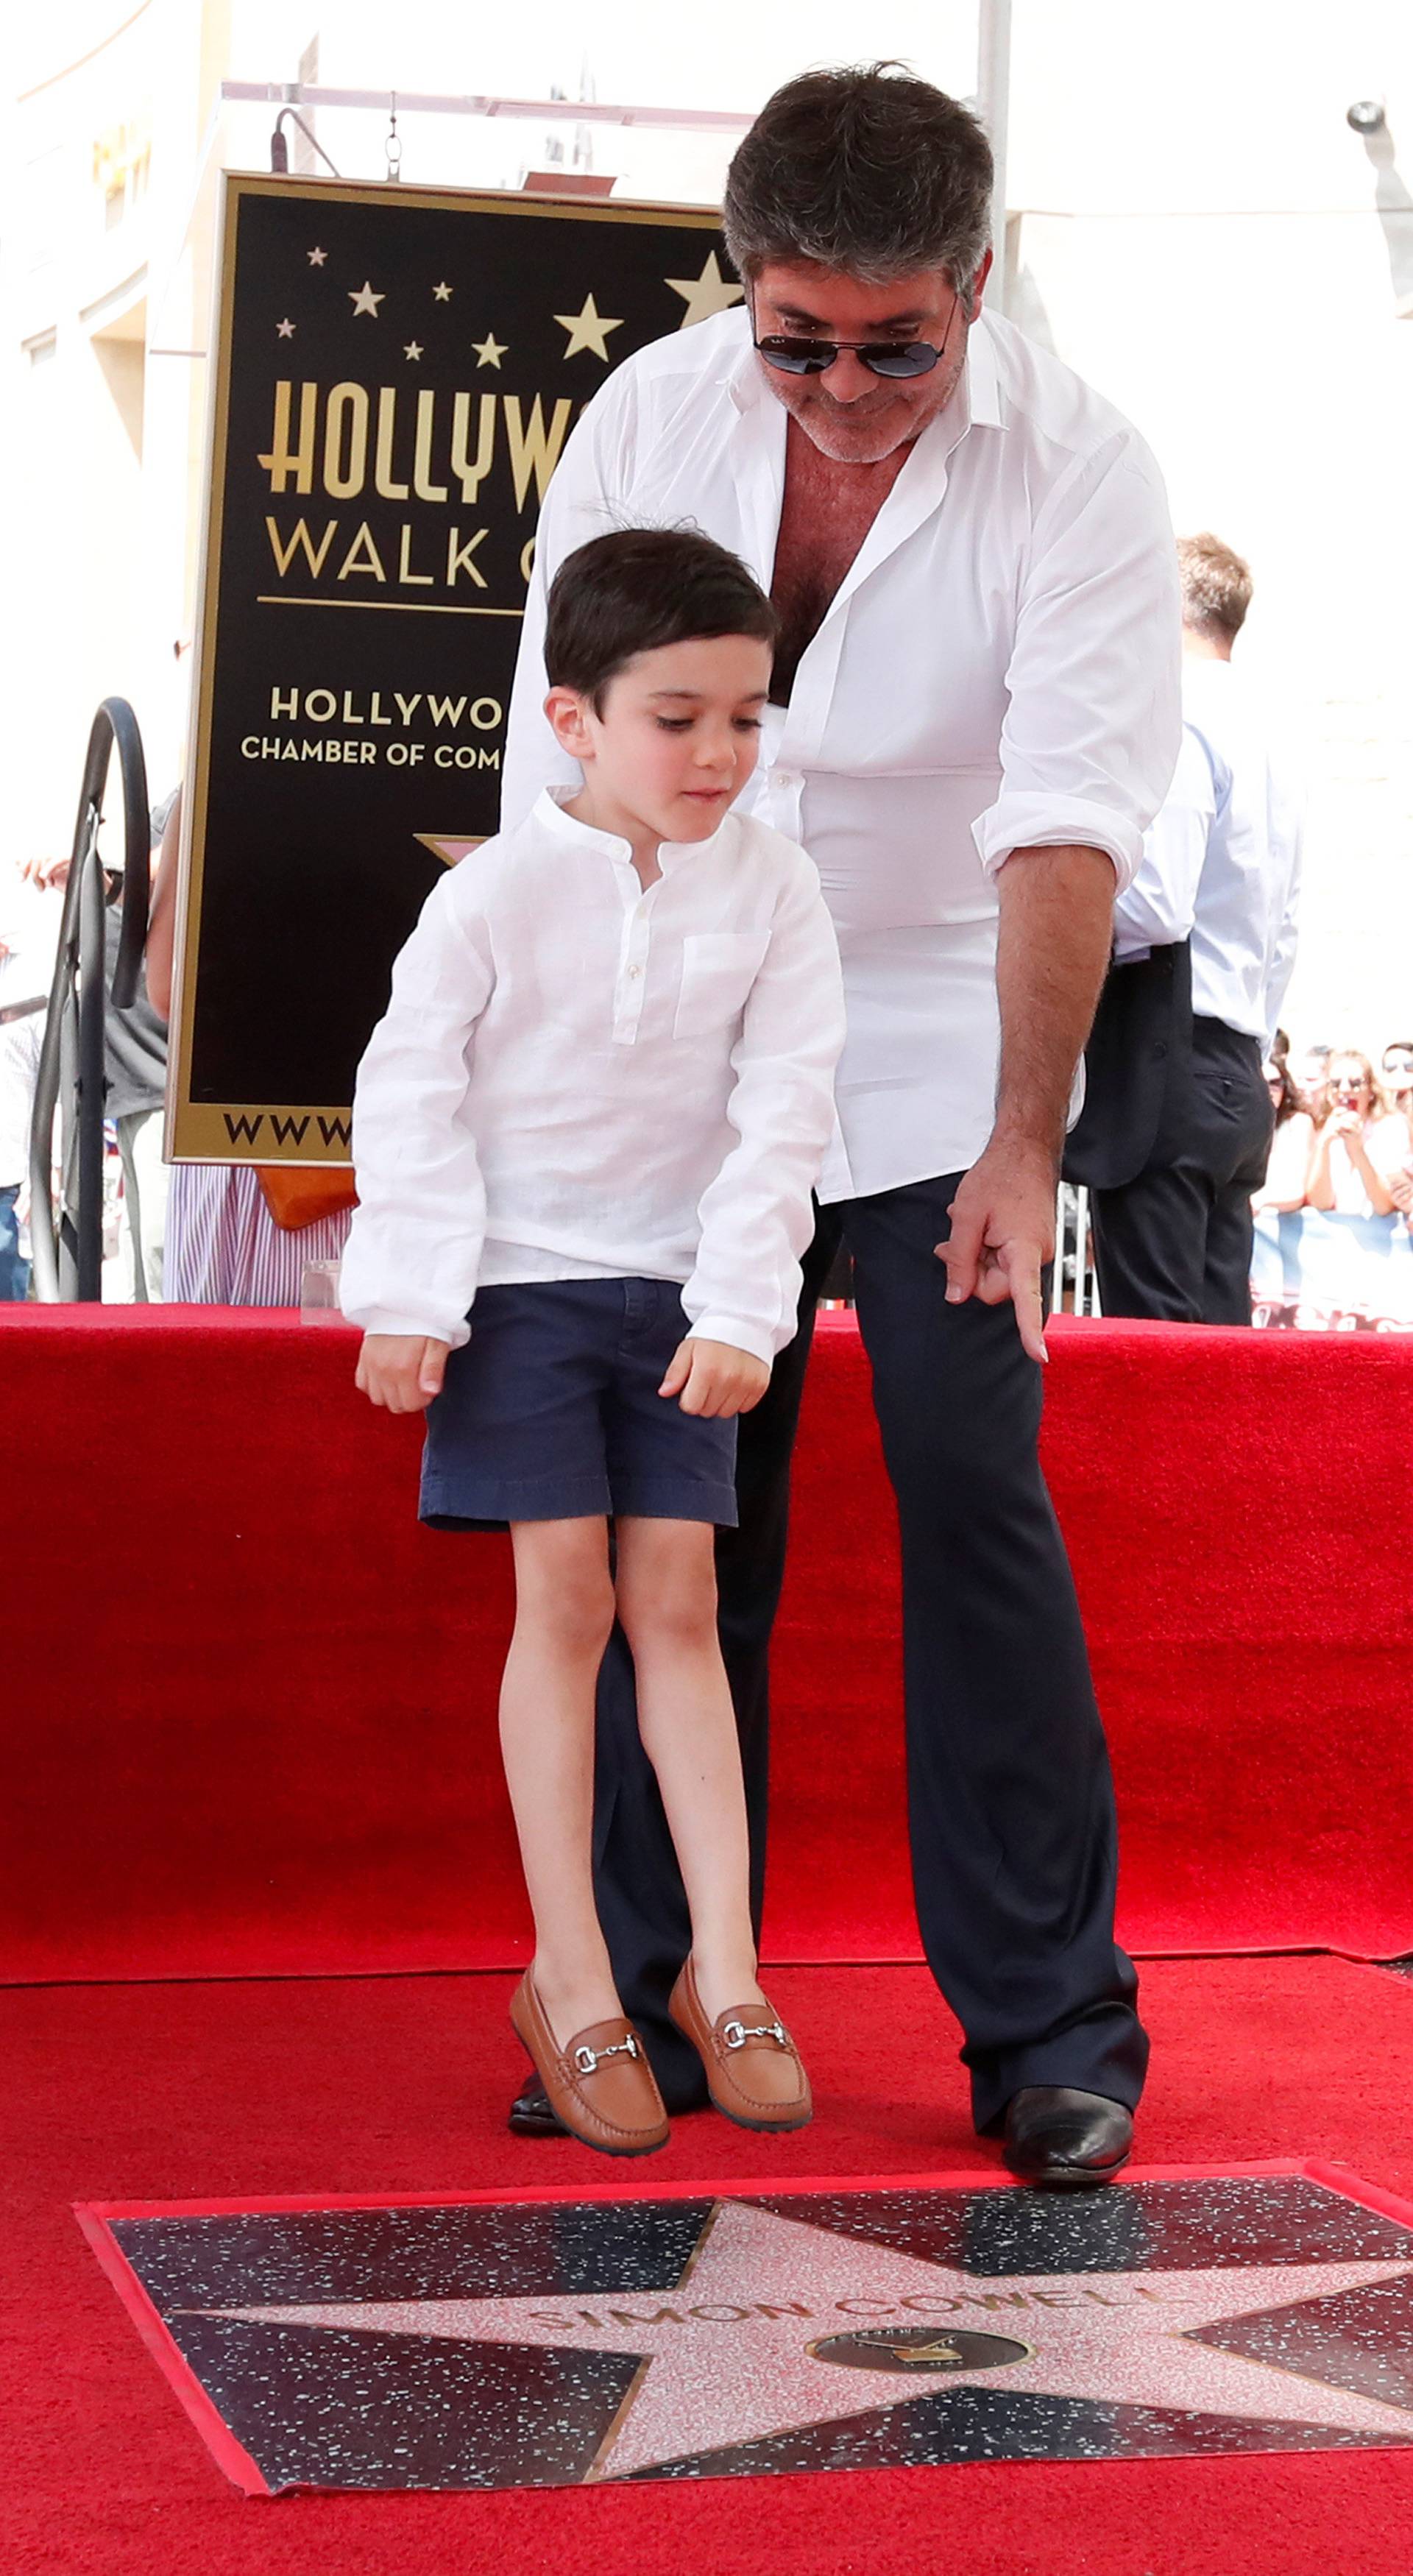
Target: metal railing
(1076,1287)
(68,1242)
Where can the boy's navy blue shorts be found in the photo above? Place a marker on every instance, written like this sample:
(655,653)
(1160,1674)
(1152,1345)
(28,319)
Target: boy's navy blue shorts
(551,1412)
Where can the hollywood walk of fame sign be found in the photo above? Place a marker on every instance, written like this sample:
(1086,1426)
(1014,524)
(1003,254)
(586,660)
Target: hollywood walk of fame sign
(610,2340)
(396,371)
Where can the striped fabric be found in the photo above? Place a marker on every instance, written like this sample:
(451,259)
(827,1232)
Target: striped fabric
(224,1247)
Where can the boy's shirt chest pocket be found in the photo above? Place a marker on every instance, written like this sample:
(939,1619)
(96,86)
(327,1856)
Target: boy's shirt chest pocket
(718,969)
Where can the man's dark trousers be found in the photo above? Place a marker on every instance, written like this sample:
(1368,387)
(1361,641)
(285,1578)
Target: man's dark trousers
(1011,1808)
(1174,1244)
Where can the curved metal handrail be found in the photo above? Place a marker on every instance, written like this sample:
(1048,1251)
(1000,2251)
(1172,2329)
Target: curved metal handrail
(68,1250)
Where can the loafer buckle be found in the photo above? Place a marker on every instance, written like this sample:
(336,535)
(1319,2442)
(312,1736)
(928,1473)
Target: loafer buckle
(587,2060)
(736,2033)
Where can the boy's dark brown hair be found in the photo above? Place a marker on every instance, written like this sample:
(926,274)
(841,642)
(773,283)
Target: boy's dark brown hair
(637,589)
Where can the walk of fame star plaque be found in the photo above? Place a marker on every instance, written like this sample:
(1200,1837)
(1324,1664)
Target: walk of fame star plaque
(611,2339)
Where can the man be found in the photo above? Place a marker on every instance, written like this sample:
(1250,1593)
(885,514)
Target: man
(974,716)
(1177,1123)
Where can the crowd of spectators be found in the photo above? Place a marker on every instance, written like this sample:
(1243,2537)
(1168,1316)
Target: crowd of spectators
(1342,1150)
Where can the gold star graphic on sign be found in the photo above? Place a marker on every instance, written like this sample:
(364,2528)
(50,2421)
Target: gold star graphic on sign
(490,351)
(317,258)
(447,846)
(587,329)
(364,300)
(710,293)
(442,292)
(284,330)
(413,349)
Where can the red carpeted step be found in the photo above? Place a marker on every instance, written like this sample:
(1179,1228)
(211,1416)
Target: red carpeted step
(248,1711)
(398,2086)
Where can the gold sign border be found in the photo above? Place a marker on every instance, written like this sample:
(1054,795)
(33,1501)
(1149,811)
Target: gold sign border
(195,1131)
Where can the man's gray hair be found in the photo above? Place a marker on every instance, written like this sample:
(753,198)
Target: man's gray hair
(864,170)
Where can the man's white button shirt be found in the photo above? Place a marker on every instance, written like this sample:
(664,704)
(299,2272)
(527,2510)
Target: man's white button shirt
(576,1078)
(1221,864)
(997,670)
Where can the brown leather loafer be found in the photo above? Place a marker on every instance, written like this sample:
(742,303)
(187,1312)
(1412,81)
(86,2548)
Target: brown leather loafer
(753,2068)
(601,2087)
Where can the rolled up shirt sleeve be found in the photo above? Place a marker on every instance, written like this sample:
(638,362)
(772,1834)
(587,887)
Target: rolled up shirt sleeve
(1094,719)
(757,1216)
(414,1249)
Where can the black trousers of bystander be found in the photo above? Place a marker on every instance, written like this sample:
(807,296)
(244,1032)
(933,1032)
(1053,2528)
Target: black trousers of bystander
(1175,1244)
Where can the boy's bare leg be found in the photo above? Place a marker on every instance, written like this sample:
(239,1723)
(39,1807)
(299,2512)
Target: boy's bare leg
(563,1614)
(667,1607)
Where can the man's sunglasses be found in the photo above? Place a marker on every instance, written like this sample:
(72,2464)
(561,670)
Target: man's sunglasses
(881,357)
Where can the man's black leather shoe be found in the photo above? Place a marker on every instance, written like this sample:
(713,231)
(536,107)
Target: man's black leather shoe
(1066,2141)
(531,2116)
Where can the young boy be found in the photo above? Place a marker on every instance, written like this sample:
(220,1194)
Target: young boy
(586,1134)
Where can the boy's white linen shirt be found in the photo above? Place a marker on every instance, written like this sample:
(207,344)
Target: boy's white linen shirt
(998,669)
(577,1078)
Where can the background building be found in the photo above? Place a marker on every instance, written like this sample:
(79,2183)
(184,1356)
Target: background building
(1193,224)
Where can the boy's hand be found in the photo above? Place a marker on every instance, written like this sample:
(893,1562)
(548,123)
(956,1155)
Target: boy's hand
(714,1378)
(401,1370)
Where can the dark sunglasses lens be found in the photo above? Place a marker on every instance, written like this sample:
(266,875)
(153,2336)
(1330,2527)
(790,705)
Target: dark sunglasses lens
(798,357)
(909,358)
(883,358)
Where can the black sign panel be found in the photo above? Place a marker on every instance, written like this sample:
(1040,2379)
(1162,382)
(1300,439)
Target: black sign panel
(397,371)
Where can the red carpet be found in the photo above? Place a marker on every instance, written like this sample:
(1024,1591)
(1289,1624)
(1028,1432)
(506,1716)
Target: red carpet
(248,1703)
(190,2091)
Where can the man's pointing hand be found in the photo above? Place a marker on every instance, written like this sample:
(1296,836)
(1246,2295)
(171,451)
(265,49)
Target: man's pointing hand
(1003,1234)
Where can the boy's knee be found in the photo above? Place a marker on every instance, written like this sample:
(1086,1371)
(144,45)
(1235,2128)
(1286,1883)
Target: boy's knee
(568,1597)
(675,1613)
(578,1616)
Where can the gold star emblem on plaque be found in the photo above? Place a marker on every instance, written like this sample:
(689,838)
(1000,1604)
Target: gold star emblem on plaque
(442,292)
(317,258)
(284,330)
(587,329)
(364,300)
(710,293)
(490,351)
(413,349)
